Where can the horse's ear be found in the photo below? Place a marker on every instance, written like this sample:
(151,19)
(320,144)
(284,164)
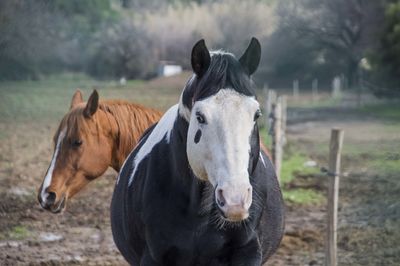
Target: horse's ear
(92,104)
(251,57)
(200,58)
(76,99)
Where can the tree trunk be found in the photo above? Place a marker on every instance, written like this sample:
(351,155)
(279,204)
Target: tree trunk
(352,74)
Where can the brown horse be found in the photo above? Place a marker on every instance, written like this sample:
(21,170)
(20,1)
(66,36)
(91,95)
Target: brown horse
(91,137)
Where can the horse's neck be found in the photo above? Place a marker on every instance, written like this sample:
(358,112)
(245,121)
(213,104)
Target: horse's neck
(128,134)
(177,144)
(116,162)
(117,158)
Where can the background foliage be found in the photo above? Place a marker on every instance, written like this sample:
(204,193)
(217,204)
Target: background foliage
(303,39)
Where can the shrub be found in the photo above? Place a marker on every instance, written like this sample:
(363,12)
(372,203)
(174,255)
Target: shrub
(123,50)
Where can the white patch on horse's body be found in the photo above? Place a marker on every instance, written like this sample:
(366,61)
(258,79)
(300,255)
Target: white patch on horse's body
(262,160)
(222,154)
(162,129)
(49,175)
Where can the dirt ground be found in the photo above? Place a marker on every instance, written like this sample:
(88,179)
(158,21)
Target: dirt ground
(369,211)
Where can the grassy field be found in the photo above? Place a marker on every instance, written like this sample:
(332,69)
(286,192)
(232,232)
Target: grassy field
(369,188)
(48,100)
(386,110)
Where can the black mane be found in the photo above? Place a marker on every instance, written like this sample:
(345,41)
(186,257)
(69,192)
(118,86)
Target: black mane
(224,71)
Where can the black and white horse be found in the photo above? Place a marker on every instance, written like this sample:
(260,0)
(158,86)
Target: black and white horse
(198,190)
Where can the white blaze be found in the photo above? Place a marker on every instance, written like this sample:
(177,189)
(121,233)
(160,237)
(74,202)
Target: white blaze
(222,154)
(49,175)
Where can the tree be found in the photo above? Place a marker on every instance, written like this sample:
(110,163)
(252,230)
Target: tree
(45,36)
(123,50)
(344,27)
(386,58)
(26,39)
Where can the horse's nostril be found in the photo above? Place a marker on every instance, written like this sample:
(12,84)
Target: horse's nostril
(220,198)
(51,198)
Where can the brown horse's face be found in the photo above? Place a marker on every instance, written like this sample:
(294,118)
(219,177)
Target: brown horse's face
(82,152)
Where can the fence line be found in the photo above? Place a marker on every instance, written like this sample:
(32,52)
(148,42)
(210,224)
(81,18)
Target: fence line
(276,108)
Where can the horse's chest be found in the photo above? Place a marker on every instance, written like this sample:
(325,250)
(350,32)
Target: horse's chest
(181,244)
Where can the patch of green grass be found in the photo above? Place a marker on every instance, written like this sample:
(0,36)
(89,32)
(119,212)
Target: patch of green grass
(265,137)
(134,83)
(303,196)
(377,157)
(386,110)
(373,149)
(388,165)
(294,165)
(18,232)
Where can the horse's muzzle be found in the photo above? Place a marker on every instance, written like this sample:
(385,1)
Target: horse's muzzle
(50,204)
(234,205)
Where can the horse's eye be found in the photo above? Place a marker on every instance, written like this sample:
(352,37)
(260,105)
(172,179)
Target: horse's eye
(257,114)
(200,118)
(77,143)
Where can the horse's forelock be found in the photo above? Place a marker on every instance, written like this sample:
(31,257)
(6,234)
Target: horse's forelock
(224,71)
(75,124)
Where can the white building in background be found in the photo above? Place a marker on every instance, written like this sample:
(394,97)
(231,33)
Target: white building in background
(122,81)
(337,87)
(167,69)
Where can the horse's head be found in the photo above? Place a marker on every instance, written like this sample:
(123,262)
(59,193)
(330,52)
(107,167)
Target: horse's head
(82,152)
(223,142)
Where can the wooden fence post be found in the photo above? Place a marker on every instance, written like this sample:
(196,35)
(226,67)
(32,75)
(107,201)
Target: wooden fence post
(315,90)
(360,87)
(335,149)
(265,89)
(266,103)
(277,138)
(296,91)
(336,88)
(283,99)
(271,99)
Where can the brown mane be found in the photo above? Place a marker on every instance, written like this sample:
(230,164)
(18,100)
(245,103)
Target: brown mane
(134,120)
(127,120)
